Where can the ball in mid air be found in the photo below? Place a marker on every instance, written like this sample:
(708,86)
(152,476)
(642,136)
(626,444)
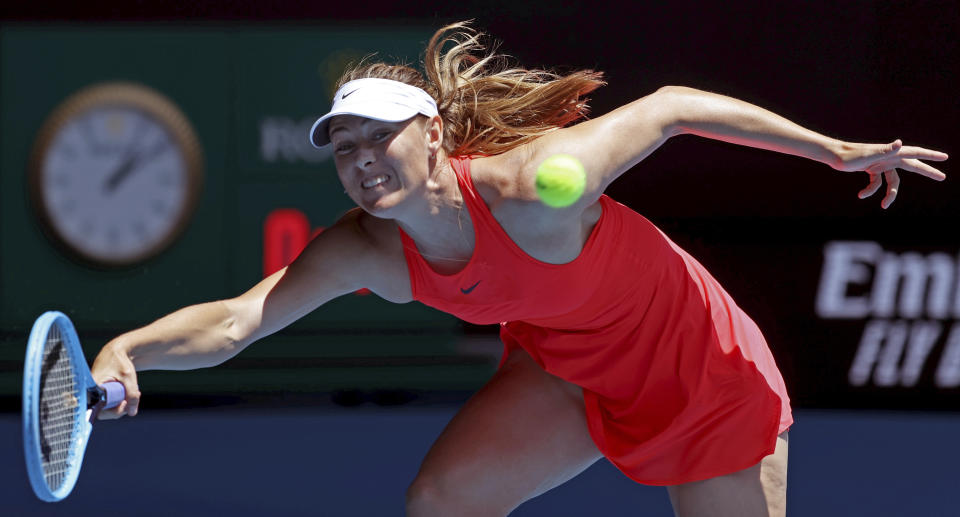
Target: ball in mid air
(561,180)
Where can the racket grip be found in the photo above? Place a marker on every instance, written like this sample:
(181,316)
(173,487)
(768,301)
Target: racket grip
(114,393)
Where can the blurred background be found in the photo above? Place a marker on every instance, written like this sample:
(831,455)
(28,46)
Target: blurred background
(202,111)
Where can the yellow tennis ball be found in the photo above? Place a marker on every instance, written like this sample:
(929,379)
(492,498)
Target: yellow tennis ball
(561,179)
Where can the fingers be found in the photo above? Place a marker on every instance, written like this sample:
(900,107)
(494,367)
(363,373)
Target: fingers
(128,407)
(113,413)
(875,181)
(923,169)
(893,184)
(912,152)
(908,158)
(131,403)
(887,158)
(919,153)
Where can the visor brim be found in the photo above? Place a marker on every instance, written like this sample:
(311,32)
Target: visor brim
(319,133)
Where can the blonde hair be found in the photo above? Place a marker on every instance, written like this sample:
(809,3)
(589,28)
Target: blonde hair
(488,107)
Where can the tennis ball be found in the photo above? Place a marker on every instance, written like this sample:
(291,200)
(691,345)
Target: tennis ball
(560,180)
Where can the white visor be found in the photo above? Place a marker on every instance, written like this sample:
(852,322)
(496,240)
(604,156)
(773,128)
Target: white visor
(378,99)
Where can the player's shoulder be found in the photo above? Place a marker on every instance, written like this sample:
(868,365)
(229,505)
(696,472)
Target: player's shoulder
(367,250)
(506,176)
(512,174)
(363,232)
(507,183)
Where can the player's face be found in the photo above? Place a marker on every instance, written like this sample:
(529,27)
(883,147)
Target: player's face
(380,164)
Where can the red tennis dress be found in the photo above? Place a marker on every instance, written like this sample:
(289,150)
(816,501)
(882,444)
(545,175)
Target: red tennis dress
(678,383)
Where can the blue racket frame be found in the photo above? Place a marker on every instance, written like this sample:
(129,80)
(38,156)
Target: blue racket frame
(31,405)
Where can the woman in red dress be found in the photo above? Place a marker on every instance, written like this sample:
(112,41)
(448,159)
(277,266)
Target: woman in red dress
(618,344)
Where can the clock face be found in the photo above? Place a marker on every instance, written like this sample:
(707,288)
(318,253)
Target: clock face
(115,179)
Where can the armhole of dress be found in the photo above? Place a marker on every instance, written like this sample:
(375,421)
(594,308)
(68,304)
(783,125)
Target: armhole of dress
(412,257)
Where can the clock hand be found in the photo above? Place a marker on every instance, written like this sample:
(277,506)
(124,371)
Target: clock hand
(126,166)
(129,165)
(117,176)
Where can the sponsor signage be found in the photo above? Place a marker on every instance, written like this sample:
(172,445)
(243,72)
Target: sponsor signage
(906,306)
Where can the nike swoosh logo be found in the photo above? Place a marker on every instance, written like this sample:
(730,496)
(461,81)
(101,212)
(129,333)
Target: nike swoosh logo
(348,93)
(469,289)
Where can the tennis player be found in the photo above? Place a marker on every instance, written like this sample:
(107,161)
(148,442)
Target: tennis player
(618,343)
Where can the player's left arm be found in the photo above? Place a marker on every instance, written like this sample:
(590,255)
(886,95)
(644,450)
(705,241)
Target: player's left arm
(613,143)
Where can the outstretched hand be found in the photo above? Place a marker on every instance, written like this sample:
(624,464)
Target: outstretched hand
(881,161)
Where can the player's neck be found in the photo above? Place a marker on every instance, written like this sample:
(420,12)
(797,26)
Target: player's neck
(442,227)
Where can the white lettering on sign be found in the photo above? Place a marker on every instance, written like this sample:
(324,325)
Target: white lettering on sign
(845,263)
(909,296)
(894,352)
(907,285)
(913,275)
(286,140)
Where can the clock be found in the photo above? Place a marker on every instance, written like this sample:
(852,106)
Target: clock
(115,174)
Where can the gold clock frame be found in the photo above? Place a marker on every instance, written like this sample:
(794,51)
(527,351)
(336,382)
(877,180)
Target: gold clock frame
(130,95)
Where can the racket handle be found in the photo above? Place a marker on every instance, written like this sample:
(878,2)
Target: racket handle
(114,393)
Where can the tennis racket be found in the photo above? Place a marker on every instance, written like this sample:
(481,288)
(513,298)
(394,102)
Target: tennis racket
(60,402)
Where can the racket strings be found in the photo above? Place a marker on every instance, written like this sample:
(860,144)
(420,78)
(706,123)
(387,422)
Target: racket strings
(58,405)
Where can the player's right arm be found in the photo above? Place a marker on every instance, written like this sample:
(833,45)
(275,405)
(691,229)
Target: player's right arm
(339,261)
